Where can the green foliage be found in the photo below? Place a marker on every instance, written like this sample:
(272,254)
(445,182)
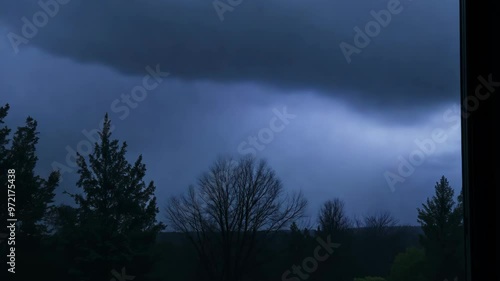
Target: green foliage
(409,266)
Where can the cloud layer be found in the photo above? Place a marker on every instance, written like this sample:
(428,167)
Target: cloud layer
(411,64)
(353,120)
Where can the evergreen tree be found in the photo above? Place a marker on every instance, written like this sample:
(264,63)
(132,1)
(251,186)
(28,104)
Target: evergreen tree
(116,213)
(298,243)
(4,166)
(441,221)
(33,195)
(4,141)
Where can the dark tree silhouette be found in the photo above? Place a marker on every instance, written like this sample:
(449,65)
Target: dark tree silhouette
(377,242)
(36,194)
(234,207)
(116,215)
(33,200)
(335,225)
(380,223)
(4,165)
(4,141)
(298,243)
(33,194)
(332,217)
(233,221)
(441,220)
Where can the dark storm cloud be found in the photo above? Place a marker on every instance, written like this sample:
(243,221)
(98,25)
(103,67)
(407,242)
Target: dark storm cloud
(181,127)
(412,63)
(226,79)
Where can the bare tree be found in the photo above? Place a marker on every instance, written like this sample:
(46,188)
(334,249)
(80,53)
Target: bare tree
(380,223)
(358,222)
(332,217)
(380,220)
(232,208)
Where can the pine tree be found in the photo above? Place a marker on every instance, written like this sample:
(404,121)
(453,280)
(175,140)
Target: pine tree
(441,221)
(297,242)
(33,194)
(4,141)
(116,212)
(4,166)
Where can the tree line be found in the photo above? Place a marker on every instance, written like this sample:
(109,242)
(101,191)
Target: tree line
(236,223)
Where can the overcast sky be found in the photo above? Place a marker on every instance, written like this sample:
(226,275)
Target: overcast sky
(340,123)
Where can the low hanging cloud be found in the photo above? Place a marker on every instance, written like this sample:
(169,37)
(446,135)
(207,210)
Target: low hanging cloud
(412,63)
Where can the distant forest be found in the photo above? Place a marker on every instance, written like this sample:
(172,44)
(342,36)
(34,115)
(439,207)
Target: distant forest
(237,222)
